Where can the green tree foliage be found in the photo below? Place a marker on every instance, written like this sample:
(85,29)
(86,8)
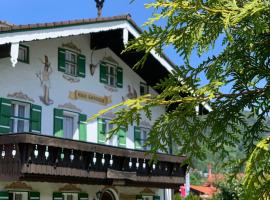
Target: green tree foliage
(196,178)
(233,190)
(242,66)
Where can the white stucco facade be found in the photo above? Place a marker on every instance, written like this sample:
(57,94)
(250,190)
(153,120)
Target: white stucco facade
(23,79)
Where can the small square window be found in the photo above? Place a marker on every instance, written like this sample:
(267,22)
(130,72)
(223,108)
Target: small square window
(23,54)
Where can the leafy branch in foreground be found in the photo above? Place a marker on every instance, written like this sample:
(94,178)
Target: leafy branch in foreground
(240,67)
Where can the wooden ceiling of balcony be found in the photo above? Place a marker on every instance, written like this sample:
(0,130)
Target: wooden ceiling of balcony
(25,166)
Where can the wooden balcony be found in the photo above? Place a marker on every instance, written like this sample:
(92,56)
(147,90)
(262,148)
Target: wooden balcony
(51,159)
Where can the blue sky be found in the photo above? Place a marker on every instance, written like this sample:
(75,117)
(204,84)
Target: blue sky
(35,11)
(38,11)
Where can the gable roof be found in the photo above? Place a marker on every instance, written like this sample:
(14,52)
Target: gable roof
(106,23)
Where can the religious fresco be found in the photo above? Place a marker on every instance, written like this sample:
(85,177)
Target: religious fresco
(132,94)
(44,77)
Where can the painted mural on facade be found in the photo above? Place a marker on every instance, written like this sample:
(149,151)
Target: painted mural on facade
(44,77)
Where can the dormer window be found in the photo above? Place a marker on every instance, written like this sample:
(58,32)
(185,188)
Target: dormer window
(111,74)
(23,54)
(71,63)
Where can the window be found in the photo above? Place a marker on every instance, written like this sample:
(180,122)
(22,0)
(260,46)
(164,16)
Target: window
(144,89)
(140,138)
(68,124)
(20,117)
(18,196)
(104,128)
(111,74)
(23,54)
(70,196)
(147,197)
(71,63)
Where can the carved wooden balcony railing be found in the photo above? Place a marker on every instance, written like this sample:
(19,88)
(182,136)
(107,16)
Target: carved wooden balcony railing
(32,157)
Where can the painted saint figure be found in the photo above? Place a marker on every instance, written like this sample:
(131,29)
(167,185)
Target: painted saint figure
(130,94)
(44,77)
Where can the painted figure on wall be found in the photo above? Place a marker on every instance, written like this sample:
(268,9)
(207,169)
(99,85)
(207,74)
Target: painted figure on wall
(132,94)
(44,77)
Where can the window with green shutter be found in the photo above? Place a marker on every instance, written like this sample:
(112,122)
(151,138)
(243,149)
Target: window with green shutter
(103,71)
(83,196)
(137,137)
(140,138)
(119,77)
(82,127)
(111,74)
(156,197)
(4,195)
(35,118)
(33,196)
(101,130)
(58,196)
(71,63)
(122,137)
(5,114)
(81,65)
(58,123)
(139,197)
(61,60)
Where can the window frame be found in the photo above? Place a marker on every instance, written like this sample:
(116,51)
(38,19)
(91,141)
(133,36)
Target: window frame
(144,131)
(75,195)
(71,62)
(75,116)
(26,48)
(15,118)
(109,75)
(24,194)
(114,140)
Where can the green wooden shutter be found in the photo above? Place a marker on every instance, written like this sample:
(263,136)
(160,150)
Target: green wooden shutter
(101,131)
(122,137)
(4,195)
(119,77)
(81,65)
(139,197)
(137,137)
(83,196)
(5,113)
(36,118)
(82,127)
(58,123)
(61,60)
(33,196)
(156,197)
(58,196)
(103,73)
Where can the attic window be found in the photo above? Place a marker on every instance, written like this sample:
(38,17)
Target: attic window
(111,74)
(71,63)
(23,54)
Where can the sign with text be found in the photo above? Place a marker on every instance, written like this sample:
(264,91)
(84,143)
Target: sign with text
(87,96)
